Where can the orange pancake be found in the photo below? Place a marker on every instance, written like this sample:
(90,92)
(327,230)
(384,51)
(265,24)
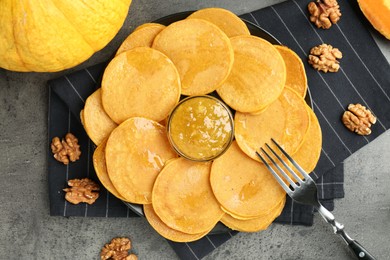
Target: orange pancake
(142,36)
(140,82)
(201,52)
(136,151)
(295,70)
(244,186)
(97,123)
(258,75)
(99,163)
(166,231)
(309,153)
(253,225)
(183,199)
(227,21)
(286,120)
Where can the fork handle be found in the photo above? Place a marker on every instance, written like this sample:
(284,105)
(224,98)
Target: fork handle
(357,249)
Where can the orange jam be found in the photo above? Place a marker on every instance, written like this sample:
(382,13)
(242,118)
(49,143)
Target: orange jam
(200,128)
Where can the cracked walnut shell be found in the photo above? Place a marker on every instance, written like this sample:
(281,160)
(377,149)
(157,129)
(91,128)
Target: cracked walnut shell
(358,119)
(324,57)
(324,13)
(66,150)
(117,249)
(82,190)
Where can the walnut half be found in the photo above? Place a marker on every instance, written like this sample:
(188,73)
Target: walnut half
(117,249)
(358,119)
(82,190)
(324,57)
(67,149)
(324,13)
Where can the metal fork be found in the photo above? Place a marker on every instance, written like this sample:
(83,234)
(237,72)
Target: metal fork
(304,191)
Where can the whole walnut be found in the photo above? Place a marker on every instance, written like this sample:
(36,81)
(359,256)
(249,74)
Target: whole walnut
(358,119)
(325,58)
(324,13)
(117,249)
(66,150)
(82,190)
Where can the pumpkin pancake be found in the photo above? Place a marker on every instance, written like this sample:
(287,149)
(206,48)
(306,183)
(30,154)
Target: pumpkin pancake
(255,224)
(201,52)
(309,153)
(257,77)
(286,121)
(142,36)
(82,117)
(99,163)
(227,21)
(96,122)
(235,216)
(166,231)
(244,186)
(183,199)
(295,70)
(140,82)
(136,151)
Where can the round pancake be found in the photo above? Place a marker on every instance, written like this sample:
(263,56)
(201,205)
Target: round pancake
(257,77)
(255,224)
(166,231)
(140,82)
(99,163)
(142,36)
(295,70)
(96,122)
(183,199)
(201,52)
(309,153)
(286,121)
(136,151)
(244,186)
(227,21)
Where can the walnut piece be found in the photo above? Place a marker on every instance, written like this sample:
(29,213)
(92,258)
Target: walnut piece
(117,249)
(358,119)
(324,57)
(66,150)
(324,13)
(82,190)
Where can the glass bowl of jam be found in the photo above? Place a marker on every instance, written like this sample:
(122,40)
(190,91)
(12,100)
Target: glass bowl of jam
(200,128)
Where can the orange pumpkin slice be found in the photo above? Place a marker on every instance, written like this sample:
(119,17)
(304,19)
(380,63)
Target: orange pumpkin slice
(377,13)
(286,120)
(166,231)
(244,186)
(309,153)
(136,151)
(140,82)
(96,122)
(258,75)
(201,52)
(295,70)
(183,199)
(227,21)
(255,224)
(142,36)
(99,163)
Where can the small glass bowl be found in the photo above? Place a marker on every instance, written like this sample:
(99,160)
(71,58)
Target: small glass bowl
(195,117)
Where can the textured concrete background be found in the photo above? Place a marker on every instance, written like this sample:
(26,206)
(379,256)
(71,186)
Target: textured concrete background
(28,232)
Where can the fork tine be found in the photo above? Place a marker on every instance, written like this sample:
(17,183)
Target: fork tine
(285,164)
(277,177)
(299,168)
(285,175)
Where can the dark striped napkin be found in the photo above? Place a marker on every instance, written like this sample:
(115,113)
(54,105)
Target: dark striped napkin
(364,78)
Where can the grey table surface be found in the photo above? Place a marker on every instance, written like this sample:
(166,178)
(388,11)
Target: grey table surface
(28,232)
